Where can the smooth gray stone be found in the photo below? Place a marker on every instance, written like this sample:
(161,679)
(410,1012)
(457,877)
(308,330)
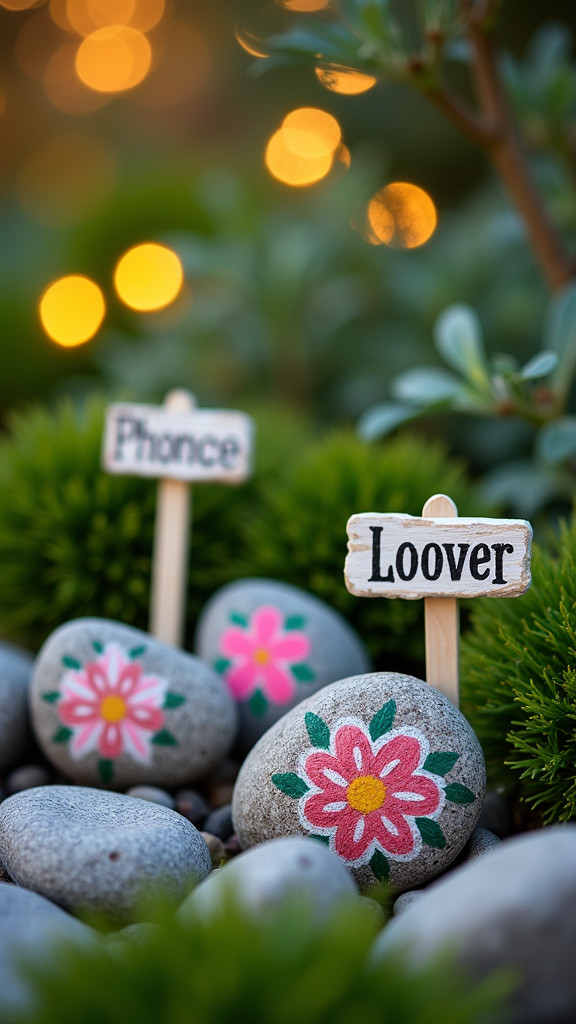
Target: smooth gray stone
(101,852)
(262,878)
(113,706)
(513,908)
(405,900)
(480,843)
(317,772)
(334,649)
(15,672)
(32,931)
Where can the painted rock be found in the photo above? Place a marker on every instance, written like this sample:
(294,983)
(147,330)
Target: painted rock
(15,672)
(274,645)
(112,706)
(90,850)
(382,768)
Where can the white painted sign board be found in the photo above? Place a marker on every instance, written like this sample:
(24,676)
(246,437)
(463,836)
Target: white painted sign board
(212,446)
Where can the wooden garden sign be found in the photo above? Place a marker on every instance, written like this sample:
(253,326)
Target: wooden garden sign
(439,557)
(178,444)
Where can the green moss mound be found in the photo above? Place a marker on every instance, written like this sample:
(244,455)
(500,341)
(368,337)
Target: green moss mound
(298,533)
(518,672)
(286,969)
(76,541)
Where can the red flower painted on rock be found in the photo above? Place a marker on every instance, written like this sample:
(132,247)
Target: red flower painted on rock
(367,794)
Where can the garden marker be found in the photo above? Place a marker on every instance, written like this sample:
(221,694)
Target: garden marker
(178,444)
(439,557)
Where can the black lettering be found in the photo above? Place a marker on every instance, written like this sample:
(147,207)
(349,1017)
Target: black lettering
(208,442)
(144,438)
(478,556)
(125,429)
(400,561)
(181,444)
(165,448)
(500,550)
(438,562)
(456,569)
(229,452)
(376,543)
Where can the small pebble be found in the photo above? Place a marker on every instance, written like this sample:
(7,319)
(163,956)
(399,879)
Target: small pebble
(153,794)
(232,846)
(480,843)
(405,900)
(216,848)
(219,822)
(27,777)
(220,794)
(193,806)
(373,911)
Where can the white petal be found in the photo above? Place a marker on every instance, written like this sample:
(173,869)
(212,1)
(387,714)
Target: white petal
(389,767)
(359,830)
(335,777)
(358,758)
(388,825)
(337,805)
(409,796)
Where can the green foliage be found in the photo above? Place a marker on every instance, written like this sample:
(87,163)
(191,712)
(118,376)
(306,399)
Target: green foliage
(519,683)
(287,968)
(76,541)
(298,534)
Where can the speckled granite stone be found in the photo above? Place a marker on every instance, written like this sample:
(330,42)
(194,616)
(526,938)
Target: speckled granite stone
(274,646)
(89,850)
(113,706)
(382,767)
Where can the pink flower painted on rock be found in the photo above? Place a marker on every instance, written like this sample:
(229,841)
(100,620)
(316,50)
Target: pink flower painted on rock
(265,654)
(366,795)
(112,705)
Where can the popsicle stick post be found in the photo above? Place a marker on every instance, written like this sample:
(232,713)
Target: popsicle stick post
(177,444)
(440,557)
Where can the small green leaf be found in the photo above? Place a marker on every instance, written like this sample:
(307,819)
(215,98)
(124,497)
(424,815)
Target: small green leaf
(295,622)
(383,720)
(318,731)
(164,739)
(290,783)
(540,365)
(380,866)
(383,418)
(137,651)
(238,619)
(51,697)
(98,647)
(458,337)
(258,703)
(106,769)
(302,673)
(426,384)
(173,700)
(459,794)
(222,664)
(71,662)
(556,440)
(432,834)
(63,734)
(325,840)
(440,762)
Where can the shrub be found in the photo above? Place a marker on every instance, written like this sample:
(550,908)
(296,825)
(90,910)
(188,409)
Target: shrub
(298,534)
(519,683)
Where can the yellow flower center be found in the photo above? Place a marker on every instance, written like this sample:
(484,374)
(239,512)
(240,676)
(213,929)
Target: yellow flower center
(113,708)
(366,794)
(261,656)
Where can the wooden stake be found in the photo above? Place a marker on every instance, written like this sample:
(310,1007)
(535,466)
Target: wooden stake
(171,545)
(441,620)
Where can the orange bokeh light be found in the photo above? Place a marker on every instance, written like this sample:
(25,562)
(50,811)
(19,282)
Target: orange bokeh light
(113,59)
(292,169)
(72,310)
(310,132)
(402,216)
(304,5)
(345,81)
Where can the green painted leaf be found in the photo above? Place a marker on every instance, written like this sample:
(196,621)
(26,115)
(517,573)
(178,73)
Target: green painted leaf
(173,700)
(383,720)
(137,651)
(51,697)
(290,783)
(318,731)
(440,762)
(295,622)
(258,703)
(222,664)
(98,647)
(432,834)
(238,619)
(459,794)
(164,739)
(106,769)
(63,734)
(71,662)
(380,866)
(325,840)
(303,673)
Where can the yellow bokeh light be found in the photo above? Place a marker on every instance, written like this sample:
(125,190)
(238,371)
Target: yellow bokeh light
(292,169)
(304,5)
(249,42)
(147,14)
(345,81)
(20,5)
(72,310)
(58,10)
(113,59)
(148,277)
(311,133)
(63,87)
(85,16)
(401,216)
